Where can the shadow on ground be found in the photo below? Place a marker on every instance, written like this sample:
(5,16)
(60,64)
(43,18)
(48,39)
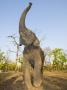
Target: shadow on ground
(50,83)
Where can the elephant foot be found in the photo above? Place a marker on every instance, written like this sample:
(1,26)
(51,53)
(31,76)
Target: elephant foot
(34,88)
(37,83)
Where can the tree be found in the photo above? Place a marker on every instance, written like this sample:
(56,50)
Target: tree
(59,58)
(3,61)
(2,57)
(47,50)
(16,44)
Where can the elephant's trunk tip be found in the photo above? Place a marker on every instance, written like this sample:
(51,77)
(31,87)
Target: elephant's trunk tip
(30,3)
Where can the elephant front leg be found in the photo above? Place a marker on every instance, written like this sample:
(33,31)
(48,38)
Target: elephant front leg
(37,75)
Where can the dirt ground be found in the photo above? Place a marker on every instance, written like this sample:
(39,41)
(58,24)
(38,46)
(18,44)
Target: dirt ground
(52,81)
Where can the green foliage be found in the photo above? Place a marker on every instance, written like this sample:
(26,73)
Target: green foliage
(7,66)
(59,59)
(11,67)
(3,66)
(2,57)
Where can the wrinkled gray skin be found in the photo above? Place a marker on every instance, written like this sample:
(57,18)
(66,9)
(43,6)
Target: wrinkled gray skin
(32,54)
(27,37)
(34,59)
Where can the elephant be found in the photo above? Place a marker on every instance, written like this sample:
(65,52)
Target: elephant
(33,55)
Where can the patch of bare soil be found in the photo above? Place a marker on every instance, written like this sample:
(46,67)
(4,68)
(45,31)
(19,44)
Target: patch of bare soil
(52,81)
(55,80)
(13,82)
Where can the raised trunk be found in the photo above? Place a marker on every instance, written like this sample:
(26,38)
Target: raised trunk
(23,16)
